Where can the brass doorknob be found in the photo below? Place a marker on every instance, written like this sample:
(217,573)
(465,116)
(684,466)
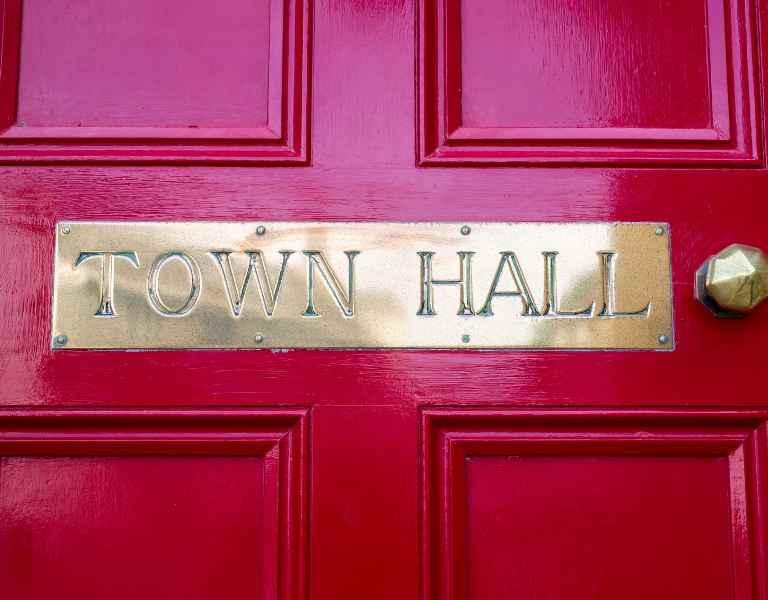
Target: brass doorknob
(733,281)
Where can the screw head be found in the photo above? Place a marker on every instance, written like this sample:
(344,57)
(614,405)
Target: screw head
(261,230)
(66,229)
(466,230)
(465,339)
(258,338)
(60,340)
(663,339)
(658,231)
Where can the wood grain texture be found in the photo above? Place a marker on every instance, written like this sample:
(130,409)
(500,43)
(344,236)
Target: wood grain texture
(518,82)
(9,60)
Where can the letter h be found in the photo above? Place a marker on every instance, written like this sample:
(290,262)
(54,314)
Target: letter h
(464,282)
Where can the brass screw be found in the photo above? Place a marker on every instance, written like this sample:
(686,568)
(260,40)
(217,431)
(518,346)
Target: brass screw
(60,340)
(663,339)
(658,231)
(465,339)
(66,229)
(258,338)
(261,230)
(466,230)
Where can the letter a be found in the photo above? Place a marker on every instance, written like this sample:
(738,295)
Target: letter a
(529,307)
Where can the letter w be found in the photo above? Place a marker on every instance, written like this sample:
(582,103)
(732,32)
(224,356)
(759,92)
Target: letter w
(255,264)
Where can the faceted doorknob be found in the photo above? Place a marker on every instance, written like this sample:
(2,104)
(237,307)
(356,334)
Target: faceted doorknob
(733,281)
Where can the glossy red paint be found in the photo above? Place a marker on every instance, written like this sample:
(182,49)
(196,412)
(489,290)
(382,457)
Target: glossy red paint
(593,501)
(539,81)
(140,84)
(178,503)
(384,113)
(66,515)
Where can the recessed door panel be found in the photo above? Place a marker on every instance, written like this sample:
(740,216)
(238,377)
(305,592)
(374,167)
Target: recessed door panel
(579,526)
(156,504)
(144,64)
(520,69)
(581,504)
(149,81)
(127,527)
(519,81)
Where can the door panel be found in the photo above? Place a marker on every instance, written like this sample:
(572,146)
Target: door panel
(518,81)
(578,526)
(133,517)
(93,78)
(579,79)
(171,504)
(665,447)
(155,81)
(553,504)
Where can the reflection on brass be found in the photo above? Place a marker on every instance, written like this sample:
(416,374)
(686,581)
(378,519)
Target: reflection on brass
(362,285)
(735,280)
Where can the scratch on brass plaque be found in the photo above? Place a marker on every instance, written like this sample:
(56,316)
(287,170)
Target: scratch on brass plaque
(362,285)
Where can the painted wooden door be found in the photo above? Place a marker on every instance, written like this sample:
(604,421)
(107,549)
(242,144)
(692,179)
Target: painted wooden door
(383,474)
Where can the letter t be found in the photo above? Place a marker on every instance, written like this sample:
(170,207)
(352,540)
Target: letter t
(106,306)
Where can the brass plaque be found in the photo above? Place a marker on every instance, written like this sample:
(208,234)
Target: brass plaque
(362,285)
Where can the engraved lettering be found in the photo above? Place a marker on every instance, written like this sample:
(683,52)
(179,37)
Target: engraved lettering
(106,303)
(153,291)
(256,264)
(529,307)
(551,308)
(345,302)
(608,272)
(464,282)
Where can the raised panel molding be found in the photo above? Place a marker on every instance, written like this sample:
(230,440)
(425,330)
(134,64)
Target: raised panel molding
(279,437)
(451,438)
(731,137)
(284,139)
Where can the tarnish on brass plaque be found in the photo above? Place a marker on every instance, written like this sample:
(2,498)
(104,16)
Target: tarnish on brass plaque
(362,285)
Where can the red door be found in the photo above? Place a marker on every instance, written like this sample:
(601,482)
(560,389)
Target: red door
(440,475)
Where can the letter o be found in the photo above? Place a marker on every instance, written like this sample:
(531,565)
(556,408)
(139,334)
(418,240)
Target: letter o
(152,284)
